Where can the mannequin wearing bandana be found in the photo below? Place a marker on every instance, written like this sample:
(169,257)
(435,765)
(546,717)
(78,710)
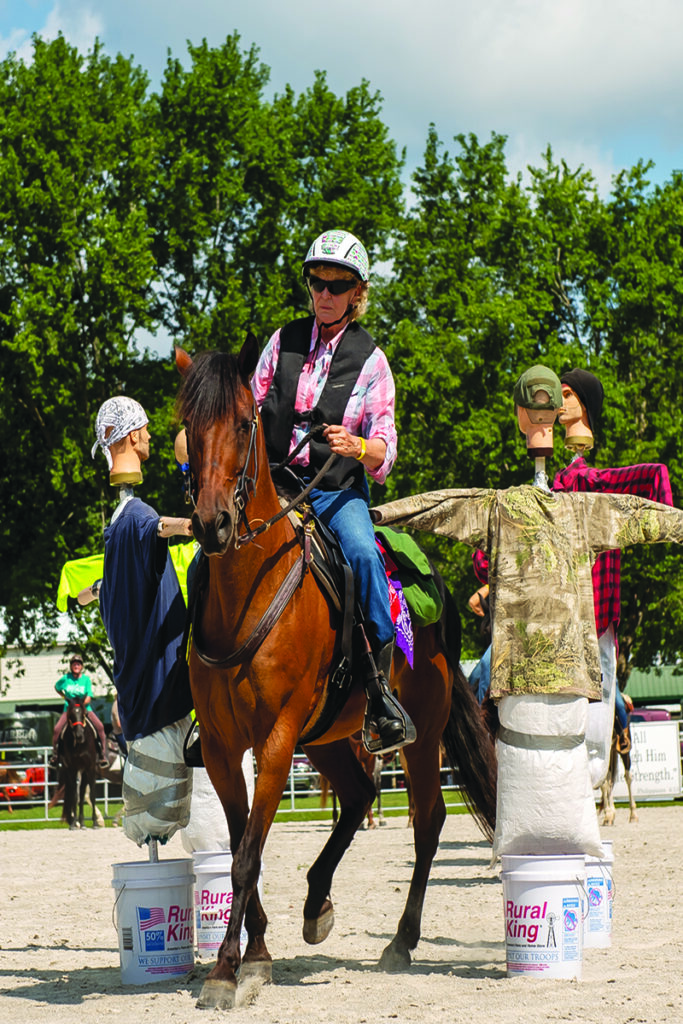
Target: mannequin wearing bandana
(140,599)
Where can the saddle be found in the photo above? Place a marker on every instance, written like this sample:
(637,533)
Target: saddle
(335,578)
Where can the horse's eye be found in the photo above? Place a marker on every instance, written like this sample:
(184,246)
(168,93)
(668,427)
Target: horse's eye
(244,426)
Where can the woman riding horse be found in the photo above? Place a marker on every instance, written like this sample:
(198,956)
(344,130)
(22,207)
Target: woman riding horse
(327,369)
(264,646)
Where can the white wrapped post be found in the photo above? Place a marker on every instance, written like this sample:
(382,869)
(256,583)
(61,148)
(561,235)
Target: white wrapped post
(545,797)
(157,785)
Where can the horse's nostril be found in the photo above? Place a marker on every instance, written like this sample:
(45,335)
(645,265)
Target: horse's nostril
(223,525)
(197,527)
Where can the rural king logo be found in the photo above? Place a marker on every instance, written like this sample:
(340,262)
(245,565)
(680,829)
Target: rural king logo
(150,922)
(156,930)
(521,920)
(214,907)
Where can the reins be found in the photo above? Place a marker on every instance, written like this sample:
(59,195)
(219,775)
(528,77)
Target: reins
(294,577)
(295,502)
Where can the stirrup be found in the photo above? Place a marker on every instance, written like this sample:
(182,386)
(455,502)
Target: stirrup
(623,742)
(192,748)
(372,741)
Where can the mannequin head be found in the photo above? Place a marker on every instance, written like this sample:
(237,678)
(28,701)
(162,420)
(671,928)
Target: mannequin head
(180,448)
(582,397)
(121,429)
(538,398)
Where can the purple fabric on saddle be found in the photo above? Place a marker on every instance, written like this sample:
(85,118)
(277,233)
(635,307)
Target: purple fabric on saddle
(403,625)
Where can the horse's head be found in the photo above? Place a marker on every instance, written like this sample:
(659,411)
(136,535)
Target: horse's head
(75,717)
(218,410)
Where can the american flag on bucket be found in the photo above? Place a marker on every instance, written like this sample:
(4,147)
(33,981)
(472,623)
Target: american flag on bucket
(150,917)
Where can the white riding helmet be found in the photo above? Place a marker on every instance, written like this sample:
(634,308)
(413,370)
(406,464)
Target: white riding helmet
(340,249)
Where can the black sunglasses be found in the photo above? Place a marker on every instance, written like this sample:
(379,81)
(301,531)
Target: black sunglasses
(335,287)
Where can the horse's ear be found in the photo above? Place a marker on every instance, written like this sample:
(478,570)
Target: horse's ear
(183,361)
(248,357)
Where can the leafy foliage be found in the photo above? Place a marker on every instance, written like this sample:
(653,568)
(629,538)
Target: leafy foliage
(188,211)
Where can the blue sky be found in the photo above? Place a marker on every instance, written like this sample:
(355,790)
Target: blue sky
(600,80)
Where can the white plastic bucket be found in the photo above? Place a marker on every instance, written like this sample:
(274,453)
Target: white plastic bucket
(597,931)
(544,906)
(213,900)
(153,912)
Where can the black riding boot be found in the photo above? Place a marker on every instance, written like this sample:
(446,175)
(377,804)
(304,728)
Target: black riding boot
(384,714)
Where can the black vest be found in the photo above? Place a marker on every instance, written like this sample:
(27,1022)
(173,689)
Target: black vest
(277,412)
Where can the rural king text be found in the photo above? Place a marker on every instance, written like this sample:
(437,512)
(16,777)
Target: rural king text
(519,920)
(179,924)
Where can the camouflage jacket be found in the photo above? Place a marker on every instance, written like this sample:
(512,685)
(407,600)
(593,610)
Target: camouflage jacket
(541,548)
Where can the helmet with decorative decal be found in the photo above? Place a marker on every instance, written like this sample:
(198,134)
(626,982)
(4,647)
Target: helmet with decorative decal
(339,249)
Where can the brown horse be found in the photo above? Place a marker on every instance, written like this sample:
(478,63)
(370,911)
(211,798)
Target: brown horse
(258,675)
(620,747)
(78,771)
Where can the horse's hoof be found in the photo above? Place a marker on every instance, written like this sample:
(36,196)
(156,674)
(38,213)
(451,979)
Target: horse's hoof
(317,929)
(217,995)
(259,970)
(394,959)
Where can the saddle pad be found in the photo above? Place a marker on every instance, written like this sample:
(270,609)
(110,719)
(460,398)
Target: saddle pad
(415,575)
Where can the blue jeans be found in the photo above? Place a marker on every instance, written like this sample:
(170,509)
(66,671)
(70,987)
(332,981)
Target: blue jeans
(620,708)
(480,676)
(346,514)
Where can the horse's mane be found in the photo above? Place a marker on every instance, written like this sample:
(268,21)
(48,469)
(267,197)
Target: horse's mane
(209,391)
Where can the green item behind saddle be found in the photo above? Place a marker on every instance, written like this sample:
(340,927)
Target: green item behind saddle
(416,575)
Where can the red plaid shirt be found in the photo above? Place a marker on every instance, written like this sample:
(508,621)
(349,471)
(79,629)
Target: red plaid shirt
(647,480)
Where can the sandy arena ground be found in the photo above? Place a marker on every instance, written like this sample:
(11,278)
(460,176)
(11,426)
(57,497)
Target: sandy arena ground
(59,960)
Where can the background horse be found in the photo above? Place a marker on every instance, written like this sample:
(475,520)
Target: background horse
(78,759)
(264,641)
(620,748)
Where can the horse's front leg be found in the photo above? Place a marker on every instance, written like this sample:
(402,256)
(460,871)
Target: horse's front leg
(220,987)
(82,785)
(356,792)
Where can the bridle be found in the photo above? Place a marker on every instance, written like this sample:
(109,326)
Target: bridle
(246,484)
(79,722)
(244,489)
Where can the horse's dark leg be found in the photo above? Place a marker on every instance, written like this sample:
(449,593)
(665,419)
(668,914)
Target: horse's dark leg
(70,795)
(81,799)
(248,831)
(430,813)
(356,793)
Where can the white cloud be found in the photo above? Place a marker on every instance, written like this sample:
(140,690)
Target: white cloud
(77,23)
(597,77)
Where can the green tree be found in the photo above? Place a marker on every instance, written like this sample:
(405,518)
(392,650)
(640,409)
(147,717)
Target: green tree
(245,185)
(76,269)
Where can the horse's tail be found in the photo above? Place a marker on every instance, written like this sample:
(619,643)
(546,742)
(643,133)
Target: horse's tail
(468,743)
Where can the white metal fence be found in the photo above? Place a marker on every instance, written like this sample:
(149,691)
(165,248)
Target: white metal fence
(35,785)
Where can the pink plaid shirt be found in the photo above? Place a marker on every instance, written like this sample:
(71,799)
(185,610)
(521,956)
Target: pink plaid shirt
(370,409)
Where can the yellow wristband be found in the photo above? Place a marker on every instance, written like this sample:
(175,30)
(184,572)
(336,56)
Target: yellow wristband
(363,450)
